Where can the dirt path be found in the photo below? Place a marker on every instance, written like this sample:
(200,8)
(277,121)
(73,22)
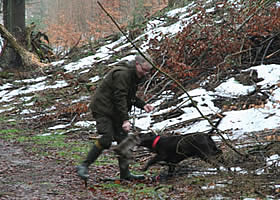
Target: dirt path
(25,176)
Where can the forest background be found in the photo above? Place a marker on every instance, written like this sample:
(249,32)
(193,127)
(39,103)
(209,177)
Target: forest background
(68,22)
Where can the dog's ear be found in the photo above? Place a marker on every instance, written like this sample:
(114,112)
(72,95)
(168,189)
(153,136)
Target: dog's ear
(151,134)
(146,135)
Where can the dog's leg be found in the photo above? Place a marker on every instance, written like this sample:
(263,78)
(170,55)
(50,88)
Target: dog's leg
(171,169)
(211,161)
(153,161)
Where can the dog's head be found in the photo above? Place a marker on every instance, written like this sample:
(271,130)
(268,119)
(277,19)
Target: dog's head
(147,139)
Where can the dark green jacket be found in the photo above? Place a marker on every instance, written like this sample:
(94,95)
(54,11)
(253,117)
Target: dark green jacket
(117,93)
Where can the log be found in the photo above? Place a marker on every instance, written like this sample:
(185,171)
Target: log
(28,59)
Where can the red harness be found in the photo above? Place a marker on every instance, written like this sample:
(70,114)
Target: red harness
(155,141)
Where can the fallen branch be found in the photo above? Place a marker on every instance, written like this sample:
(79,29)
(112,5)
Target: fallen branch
(28,58)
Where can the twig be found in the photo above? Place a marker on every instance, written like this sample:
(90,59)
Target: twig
(158,93)
(233,54)
(266,49)
(272,54)
(149,82)
(73,48)
(72,121)
(162,64)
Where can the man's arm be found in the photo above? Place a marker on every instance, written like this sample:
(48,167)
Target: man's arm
(142,105)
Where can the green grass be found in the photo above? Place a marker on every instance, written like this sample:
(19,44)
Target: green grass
(51,140)
(59,144)
(9,134)
(102,159)
(8,131)
(46,145)
(135,191)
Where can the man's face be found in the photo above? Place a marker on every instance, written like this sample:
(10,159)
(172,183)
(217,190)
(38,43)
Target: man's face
(143,69)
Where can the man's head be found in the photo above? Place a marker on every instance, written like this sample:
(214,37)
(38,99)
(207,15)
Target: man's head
(143,67)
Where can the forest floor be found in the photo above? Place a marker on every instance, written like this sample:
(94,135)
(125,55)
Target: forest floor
(33,166)
(27,173)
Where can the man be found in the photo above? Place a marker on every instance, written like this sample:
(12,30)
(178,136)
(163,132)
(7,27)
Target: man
(110,105)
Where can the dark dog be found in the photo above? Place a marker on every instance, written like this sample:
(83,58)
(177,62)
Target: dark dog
(174,149)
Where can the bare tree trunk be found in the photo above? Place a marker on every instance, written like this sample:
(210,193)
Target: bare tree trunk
(14,21)
(1,11)
(14,16)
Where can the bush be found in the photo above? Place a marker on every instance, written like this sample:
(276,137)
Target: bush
(230,35)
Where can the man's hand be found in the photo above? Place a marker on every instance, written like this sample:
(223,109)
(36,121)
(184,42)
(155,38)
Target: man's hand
(148,108)
(126,126)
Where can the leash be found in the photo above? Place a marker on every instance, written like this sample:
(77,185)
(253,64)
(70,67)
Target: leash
(133,118)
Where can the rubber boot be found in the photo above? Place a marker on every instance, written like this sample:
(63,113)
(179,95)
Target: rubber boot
(93,154)
(124,171)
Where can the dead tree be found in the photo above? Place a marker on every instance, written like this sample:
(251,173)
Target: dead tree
(28,59)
